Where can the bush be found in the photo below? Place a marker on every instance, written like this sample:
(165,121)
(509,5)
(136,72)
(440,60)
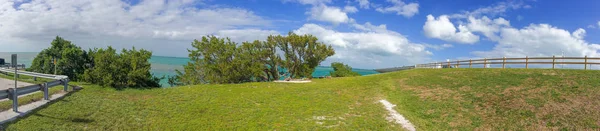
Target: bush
(341,70)
(104,67)
(219,60)
(70,59)
(131,68)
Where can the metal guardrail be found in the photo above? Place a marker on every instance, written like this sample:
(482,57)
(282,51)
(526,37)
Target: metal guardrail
(14,93)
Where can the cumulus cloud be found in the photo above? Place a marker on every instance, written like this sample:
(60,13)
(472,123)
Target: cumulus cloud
(309,2)
(540,40)
(350,9)
(371,46)
(438,47)
(31,25)
(325,13)
(400,8)
(242,35)
(486,26)
(363,4)
(496,9)
(442,28)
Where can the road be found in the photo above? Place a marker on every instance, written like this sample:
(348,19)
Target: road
(6,84)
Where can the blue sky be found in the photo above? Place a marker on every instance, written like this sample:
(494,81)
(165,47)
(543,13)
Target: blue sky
(365,33)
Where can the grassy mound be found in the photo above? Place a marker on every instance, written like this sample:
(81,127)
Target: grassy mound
(440,99)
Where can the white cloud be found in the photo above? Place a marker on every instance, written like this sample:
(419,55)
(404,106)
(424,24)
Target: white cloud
(350,9)
(31,25)
(579,33)
(401,8)
(486,26)
(493,10)
(442,28)
(325,13)
(363,4)
(242,35)
(598,23)
(309,2)
(540,40)
(438,47)
(369,47)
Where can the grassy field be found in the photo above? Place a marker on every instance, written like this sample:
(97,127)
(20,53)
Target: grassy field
(441,99)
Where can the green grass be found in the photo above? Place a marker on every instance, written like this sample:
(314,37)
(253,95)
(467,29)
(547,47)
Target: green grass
(442,99)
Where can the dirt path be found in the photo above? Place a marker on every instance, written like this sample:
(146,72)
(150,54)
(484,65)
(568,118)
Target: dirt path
(396,117)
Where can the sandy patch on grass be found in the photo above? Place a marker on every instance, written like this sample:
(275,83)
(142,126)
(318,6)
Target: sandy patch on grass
(293,81)
(396,117)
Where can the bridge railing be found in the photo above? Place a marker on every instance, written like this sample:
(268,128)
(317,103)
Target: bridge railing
(526,61)
(14,93)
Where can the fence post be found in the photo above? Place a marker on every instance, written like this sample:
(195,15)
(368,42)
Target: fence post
(585,63)
(448,64)
(526,62)
(484,62)
(503,62)
(457,63)
(553,60)
(470,61)
(45,87)
(34,78)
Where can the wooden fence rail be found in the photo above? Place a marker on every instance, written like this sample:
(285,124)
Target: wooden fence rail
(521,61)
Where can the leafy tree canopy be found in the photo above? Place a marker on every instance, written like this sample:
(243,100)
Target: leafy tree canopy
(105,67)
(342,70)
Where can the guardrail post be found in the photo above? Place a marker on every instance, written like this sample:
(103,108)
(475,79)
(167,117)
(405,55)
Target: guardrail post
(484,62)
(553,60)
(66,83)
(34,78)
(503,62)
(45,88)
(448,64)
(526,62)
(14,96)
(585,63)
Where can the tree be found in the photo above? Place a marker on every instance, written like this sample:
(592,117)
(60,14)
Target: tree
(303,53)
(341,70)
(105,67)
(216,60)
(131,69)
(219,60)
(70,59)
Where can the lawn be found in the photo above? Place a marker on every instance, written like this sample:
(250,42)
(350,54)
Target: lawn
(432,99)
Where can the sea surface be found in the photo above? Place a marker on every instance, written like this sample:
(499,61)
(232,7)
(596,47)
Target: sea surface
(166,66)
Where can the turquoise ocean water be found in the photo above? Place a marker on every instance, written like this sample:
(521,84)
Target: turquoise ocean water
(166,66)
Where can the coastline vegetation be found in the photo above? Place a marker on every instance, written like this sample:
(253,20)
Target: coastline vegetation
(216,60)
(105,67)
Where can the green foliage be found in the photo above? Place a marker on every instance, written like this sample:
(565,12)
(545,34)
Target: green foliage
(302,53)
(341,70)
(70,58)
(219,60)
(106,67)
(130,68)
